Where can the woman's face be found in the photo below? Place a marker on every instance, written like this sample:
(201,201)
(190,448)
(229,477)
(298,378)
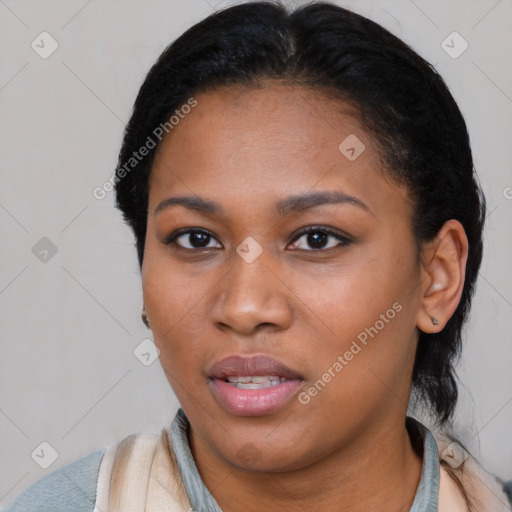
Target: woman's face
(327,318)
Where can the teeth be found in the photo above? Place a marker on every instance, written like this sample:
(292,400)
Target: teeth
(253,385)
(245,379)
(255,381)
(259,380)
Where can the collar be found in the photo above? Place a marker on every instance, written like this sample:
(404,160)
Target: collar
(427,493)
(425,500)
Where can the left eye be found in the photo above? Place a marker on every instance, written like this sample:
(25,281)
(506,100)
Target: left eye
(319,238)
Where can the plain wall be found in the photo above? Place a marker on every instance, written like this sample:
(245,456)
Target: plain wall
(69,325)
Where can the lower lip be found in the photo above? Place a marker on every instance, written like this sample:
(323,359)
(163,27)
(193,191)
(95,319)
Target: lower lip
(254,402)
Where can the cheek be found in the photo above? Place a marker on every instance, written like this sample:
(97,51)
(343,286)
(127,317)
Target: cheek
(350,297)
(177,329)
(171,289)
(366,313)
(174,305)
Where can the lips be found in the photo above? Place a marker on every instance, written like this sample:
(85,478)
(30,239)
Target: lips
(238,366)
(253,386)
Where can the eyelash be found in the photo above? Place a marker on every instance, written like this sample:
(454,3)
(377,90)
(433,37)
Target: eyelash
(305,231)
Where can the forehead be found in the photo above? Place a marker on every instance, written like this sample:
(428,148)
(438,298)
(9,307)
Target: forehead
(276,138)
(286,119)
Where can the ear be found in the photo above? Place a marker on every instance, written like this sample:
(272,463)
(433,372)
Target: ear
(443,262)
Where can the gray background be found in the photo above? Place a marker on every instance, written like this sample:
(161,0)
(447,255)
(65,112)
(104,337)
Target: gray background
(70,324)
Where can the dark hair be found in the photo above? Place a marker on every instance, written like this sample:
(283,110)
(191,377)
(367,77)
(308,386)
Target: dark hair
(399,97)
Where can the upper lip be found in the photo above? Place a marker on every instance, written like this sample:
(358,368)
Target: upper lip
(238,366)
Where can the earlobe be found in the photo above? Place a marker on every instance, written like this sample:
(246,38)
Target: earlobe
(144,317)
(443,273)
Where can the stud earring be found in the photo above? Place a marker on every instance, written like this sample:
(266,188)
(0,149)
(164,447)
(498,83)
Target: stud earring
(435,321)
(144,318)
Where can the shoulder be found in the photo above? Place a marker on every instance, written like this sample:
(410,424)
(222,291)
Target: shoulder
(485,490)
(142,462)
(507,489)
(464,479)
(488,490)
(71,487)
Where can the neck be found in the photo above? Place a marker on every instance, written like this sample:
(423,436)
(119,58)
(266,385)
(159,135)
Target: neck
(379,471)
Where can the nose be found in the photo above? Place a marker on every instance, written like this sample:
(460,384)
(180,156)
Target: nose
(252,297)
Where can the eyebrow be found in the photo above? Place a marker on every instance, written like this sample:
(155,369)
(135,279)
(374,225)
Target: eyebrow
(292,204)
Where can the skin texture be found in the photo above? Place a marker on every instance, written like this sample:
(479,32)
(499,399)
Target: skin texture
(348,448)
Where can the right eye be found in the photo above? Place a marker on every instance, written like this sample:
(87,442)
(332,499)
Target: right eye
(192,239)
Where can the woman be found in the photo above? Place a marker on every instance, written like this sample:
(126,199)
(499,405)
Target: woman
(309,231)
